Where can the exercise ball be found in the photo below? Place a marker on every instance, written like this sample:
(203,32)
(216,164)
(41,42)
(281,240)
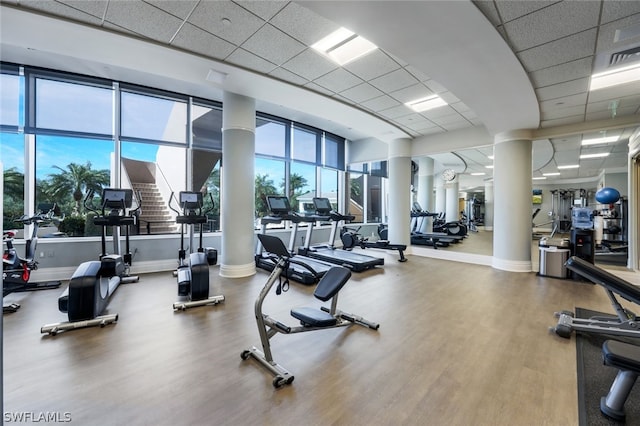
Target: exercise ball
(607,195)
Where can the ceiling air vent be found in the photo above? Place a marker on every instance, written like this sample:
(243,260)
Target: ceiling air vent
(625,56)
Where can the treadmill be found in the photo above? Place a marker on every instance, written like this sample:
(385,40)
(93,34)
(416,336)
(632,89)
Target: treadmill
(432,239)
(328,253)
(302,269)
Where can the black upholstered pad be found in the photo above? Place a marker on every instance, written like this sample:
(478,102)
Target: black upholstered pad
(621,355)
(606,279)
(313,317)
(332,282)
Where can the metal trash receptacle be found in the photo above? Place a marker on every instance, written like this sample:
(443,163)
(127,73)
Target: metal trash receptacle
(552,260)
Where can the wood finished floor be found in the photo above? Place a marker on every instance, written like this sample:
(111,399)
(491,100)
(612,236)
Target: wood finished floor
(458,345)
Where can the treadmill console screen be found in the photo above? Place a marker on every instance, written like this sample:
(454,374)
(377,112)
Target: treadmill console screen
(323,205)
(278,204)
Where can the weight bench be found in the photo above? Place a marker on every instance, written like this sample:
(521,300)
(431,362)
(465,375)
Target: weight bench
(311,319)
(624,323)
(328,287)
(626,358)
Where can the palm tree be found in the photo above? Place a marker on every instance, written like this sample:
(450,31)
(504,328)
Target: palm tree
(76,180)
(296,183)
(264,187)
(13,184)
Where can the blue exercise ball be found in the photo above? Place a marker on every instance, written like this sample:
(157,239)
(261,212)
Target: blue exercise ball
(607,195)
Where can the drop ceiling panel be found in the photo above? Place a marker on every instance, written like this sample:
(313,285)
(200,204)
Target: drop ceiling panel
(613,10)
(338,80)
(560,51)
(411,93)
(551,23)
(562,121)
(199,41)
(93,15)
(398,111)
(372,65)
(209,16)
(607,40)
(248,60)
(179,9)
(264,9)
(310,64)
(380,103)
(580,85)
(394,80)
(302,24)
(362,92)
(565,102)
(286,75)
(273,45)
(143,19)
(96,8)
(561,73)
(511,10)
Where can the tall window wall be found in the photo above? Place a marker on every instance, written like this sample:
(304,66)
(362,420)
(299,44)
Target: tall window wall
(64,135)
(296,161)
(12,143)
(368,192)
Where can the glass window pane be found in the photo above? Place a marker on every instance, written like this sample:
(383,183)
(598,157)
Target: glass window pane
(12,155)
(356,196)
(155,171)
(206,179)
(73,107)
(379,168)
(304,145)
(358,167)
(271,138)
(374,199)
(268,181)
(153,118)
(333,152)
(12,100)
(206,127)
(329,186)
(66,169)
(302,185)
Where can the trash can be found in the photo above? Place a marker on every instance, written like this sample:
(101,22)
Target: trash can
(552,260)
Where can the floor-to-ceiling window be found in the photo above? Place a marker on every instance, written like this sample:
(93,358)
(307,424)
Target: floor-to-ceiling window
(64,135)
(12,144)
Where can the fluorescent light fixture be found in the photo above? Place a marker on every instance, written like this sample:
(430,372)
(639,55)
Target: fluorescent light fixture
(596,141)
(490,157)
(598,155)
(425,104)
(551,174)
(539,178)
(344,46)
(489,167)
(478,174)
(569,166)
(615,77)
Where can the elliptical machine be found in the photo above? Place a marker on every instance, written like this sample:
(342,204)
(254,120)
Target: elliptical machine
(193,276)
(94,282)
(351,238)
(16,270)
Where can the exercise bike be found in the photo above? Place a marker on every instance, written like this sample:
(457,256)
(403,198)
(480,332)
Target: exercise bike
(311,319)
(16,270)
(352,238)
(94,282)
(193,276)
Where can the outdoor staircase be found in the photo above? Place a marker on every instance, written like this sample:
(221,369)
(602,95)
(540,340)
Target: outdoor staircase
(155,217)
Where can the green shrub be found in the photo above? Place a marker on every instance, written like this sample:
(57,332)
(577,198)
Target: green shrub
(73,226)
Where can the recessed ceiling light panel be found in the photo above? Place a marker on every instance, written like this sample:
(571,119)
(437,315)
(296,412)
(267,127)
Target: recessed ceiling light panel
(344,46)
(569,166)
(596,141)
(597,155)
(615,77)
(425,104)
